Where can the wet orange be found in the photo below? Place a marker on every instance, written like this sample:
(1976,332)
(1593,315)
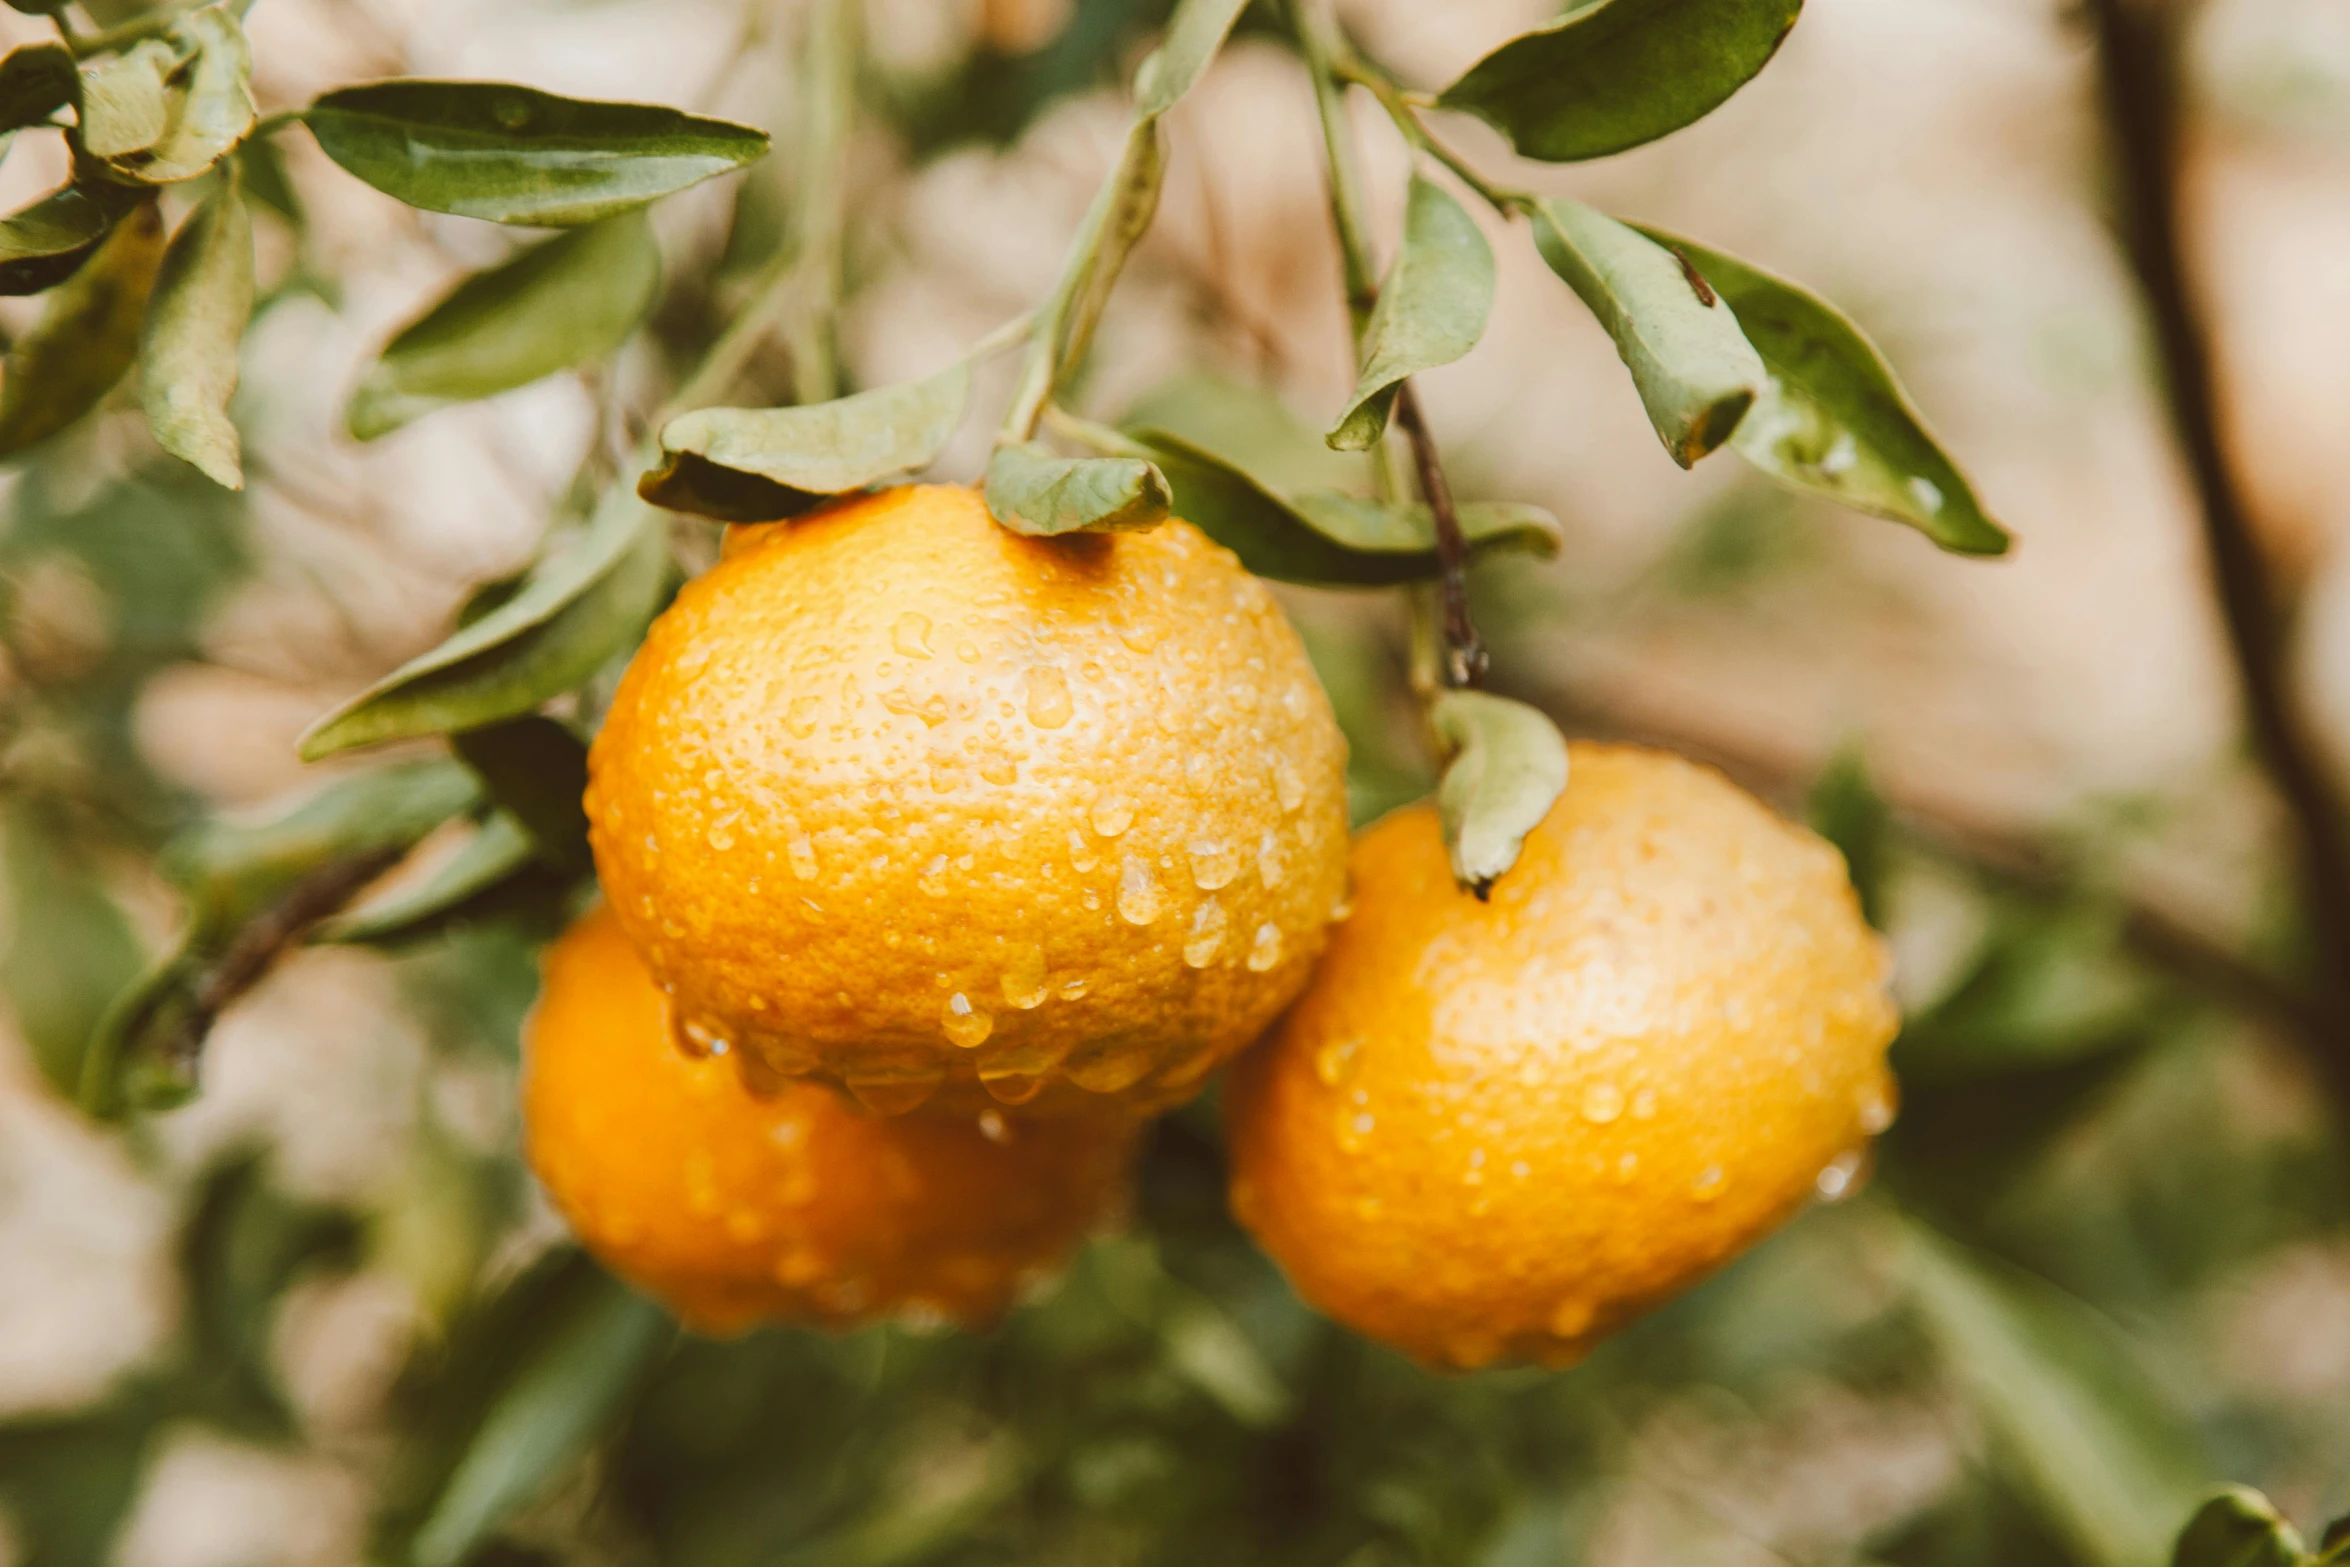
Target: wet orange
(736,1209)
(895,799)
(1499,1130)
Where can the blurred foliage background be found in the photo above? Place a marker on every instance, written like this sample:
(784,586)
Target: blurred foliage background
(320,1316)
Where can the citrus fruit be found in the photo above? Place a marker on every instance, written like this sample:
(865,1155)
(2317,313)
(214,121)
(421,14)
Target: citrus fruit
(1499,1130)
(735,1208)
(894,798)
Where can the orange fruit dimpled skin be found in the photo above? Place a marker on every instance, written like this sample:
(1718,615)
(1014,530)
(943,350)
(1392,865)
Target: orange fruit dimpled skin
(897,799)
(1498,1131)
(735,1209)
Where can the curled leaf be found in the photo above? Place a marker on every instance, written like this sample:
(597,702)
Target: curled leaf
(1618,73)
(1033,492)
(188,349)
(1833,420)
(208,101)
(88,335)
(1506,767)
(1696,373)
(516,155)
(764,464)
(1432,309)
(1194,33)
(583,604)
(44,244)
(35,82)
(123,101)
(568,301)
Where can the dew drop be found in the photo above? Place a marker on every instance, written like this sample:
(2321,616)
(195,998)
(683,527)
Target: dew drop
(1139,900)
(1007,1087)
(1334,1063)
(993,1127)
(967,651)
(933,879)
(721,836)
(1213,863)
(851,697)
(1049,706)
(1287,785)
(1024,980)
(1602,1103)
(1207,934)
(696,1040)
(1627,1167)
(893,1095)
(801,719)
(964,1023)
(911,635)
(1644,1105)
(1075,989)
(1272,865)
(999,769)
(1111,816)
(1841,1178)
(1265,951)
(1081,855)
(1141,636)
(1109,1071)
(1353,1127)
(1709,1183)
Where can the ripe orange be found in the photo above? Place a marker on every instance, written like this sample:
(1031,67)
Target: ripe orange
(1502,1129)
(734,1208)
(896,799)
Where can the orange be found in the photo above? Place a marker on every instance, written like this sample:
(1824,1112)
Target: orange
(733,1208)
(895,799)
(1499,1130)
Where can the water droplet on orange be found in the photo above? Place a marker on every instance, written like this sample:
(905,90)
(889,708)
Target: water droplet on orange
(1208,923)
(1709,1183)
(1334,1063)
(1049,704)
(1602,1103)
(1213,863)
(1110,816)
(911,635)
(1024,982)
(1139,899)
(1265,950)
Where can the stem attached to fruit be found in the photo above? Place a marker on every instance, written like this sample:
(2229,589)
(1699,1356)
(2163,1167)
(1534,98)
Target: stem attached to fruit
(1464,659)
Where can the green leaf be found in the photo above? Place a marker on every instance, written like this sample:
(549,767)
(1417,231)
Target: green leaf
(502,850)
(230,872)
(538,770)
(583,604)
(1409,527)
(1121,213)
(1619,73)
(1845,808)
(1194,34)
(516,155)
(1432,309)
(1033,492)
(764,464)
(88,335)
(1250,428)
(234,878)
(46,243)
(188,350)
(1696,373)
(208,103)
(2239,1528)
(566,302)
(569,1387)
(71,949)
(1506,767)
(124,102)
(2075,1424)
(1833,420)
(35,82)
(1320,536)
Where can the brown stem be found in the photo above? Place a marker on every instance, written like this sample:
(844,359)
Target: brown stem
(264,939)
(2139,54)
(1464,650)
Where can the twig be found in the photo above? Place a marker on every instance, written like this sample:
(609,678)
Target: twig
(1464,658)
(2139,45)
(1464,651)
(821,208)
(264,939)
